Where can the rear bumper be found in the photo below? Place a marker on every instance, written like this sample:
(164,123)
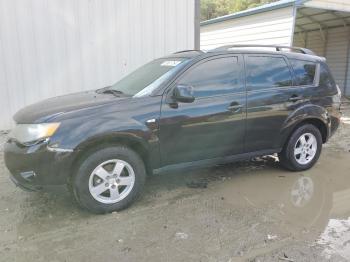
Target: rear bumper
(32,167)
(334,121)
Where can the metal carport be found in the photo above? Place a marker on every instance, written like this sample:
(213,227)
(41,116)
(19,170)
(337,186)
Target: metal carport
(320,25)
(326,30)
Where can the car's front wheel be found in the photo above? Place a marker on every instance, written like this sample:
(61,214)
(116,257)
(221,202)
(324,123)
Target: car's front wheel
(303,148)
(109,179)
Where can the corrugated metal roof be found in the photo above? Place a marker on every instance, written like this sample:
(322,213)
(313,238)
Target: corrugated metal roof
(310,19)
(252,11)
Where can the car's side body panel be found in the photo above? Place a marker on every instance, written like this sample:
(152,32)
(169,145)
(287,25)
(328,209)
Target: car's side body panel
(201,130)
(267,111)
(303,113)
(211,126)
(268,106)
(52,161)
(134,120)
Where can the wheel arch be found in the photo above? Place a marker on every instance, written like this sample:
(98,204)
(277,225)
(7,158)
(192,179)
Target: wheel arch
(320,123)
(138,145)
(307,114)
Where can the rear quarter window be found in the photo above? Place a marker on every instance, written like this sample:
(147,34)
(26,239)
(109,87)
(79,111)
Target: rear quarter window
(304,72)
(326,79)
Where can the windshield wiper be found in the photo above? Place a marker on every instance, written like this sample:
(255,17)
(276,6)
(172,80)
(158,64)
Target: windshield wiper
(110,91)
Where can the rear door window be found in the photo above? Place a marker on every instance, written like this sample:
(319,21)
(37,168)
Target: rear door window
(267,72)
(304,72)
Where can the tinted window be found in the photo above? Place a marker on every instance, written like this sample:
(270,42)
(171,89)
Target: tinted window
(214,77)
(304,72)
(325,78)
(266,71)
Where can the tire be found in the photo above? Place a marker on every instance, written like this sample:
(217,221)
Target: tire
(289,157)
(108,179)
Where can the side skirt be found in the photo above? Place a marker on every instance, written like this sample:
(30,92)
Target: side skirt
(214,161)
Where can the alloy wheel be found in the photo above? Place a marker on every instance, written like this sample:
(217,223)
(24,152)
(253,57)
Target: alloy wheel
(111,181)
(305,148)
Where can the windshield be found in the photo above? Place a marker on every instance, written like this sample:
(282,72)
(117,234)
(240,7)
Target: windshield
(145,79)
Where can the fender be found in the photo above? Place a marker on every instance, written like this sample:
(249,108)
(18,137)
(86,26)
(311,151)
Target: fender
(308,112)
(113,137)
(81,135)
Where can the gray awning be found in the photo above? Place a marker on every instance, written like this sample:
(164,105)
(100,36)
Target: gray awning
(311,19)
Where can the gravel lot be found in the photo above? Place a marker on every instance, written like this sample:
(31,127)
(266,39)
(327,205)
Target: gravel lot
(248,211)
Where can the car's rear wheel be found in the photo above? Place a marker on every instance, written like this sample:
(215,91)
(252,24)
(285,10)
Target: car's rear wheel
(108,179)
(303,148)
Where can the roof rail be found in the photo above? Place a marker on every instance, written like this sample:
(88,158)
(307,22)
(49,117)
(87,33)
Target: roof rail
(277,47)
(184,51)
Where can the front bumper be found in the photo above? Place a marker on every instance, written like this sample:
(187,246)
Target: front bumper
(26,186)
(32,167)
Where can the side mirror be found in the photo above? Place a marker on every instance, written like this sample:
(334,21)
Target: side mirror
(183,93)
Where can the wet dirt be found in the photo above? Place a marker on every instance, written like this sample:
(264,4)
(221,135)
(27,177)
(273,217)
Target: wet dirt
(247,211)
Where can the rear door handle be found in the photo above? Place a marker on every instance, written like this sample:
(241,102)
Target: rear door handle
(295,98)
(235,108)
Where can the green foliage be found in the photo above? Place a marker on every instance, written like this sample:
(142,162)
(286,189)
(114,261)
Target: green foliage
(215,8)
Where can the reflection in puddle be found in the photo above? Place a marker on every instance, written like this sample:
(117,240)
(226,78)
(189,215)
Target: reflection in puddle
(302,191)
(336,237)
(303,204)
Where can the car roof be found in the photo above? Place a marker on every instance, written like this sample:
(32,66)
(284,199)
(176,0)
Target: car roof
(294,55)
(250,50)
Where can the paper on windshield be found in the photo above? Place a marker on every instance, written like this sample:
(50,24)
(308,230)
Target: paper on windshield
(170,63)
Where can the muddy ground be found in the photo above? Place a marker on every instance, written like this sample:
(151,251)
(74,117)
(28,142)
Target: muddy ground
(249,211)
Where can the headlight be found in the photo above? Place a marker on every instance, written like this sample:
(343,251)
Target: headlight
(25,133)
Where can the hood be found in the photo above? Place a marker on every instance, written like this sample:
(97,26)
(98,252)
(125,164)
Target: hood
(46,109)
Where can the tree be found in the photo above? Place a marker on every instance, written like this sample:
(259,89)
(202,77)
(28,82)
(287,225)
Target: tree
(215,8)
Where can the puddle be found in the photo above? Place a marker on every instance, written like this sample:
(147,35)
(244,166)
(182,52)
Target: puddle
(302,201)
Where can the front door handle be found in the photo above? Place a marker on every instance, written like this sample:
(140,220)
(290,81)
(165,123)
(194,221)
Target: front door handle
(295,98)
(235,108)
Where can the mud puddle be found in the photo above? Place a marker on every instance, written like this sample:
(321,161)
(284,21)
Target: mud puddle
(249,211)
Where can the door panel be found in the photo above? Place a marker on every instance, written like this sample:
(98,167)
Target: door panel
(211,126)
(271,97)
(206,128)
(267,111)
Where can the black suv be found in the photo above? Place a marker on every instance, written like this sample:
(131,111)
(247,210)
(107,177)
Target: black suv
(189,109)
